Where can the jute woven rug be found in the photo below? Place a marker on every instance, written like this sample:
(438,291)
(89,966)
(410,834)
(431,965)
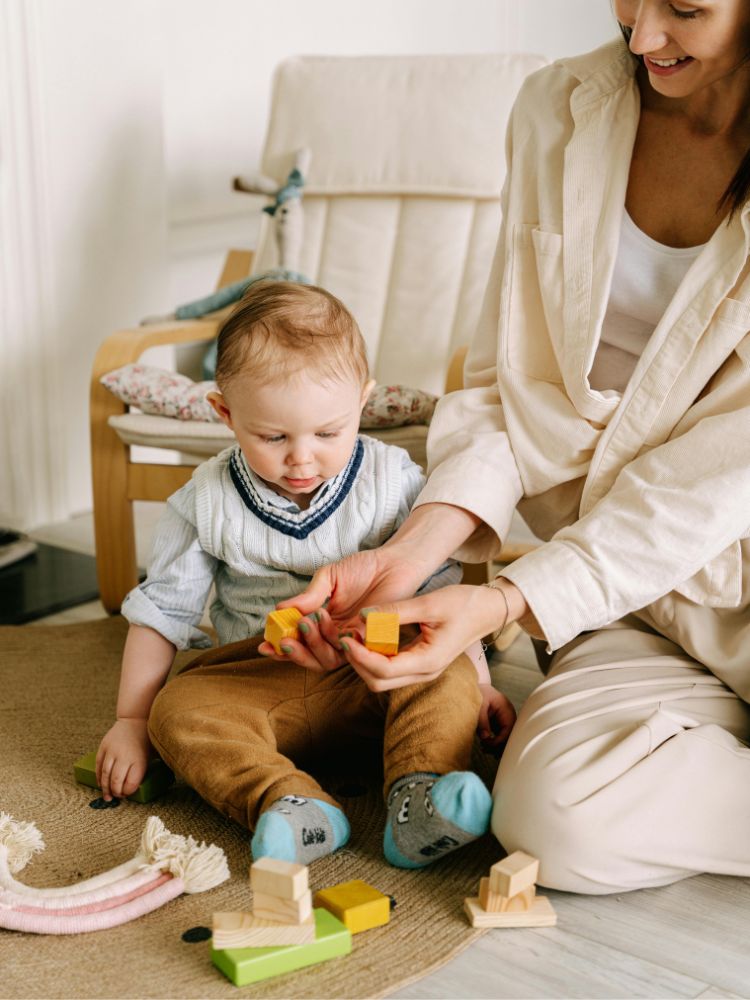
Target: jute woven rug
(58,688)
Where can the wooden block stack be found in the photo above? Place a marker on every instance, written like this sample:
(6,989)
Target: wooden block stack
(282,933)
(282,909)
(282,625)
(381,632)
(508,897)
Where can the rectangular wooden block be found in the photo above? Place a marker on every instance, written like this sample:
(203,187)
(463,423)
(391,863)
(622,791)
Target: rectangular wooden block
(284,879)
(156,780)
(251,965)
(357,905)
(513,874)
(540,914)
(286,911)
(281,625)
(381,632)
(245,930)
(494,903)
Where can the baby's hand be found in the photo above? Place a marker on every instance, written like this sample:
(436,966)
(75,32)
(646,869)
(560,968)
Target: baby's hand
(122,758)
(496,717)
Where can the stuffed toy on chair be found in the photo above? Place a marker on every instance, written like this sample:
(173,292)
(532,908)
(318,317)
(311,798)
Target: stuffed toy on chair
(287,213)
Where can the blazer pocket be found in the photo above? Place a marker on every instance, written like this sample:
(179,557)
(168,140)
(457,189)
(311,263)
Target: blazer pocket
(534,303)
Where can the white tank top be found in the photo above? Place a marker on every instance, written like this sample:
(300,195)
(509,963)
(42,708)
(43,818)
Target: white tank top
(646,277)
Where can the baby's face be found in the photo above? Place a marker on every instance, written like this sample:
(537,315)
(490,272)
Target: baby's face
(298,433)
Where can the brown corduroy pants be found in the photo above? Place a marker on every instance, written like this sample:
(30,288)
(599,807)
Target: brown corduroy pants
(240,727)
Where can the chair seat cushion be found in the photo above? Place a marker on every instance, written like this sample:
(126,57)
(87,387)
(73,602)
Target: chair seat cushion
(200,440)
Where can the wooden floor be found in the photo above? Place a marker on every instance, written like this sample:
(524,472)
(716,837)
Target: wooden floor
(691,939)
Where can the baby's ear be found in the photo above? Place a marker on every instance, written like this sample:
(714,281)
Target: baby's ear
(366,390)
(219,403)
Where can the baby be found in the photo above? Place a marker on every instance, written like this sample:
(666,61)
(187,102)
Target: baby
(300,489)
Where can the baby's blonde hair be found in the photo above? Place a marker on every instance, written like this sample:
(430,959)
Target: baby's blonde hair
(280,328)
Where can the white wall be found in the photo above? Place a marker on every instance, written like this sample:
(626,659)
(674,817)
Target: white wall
(121,126)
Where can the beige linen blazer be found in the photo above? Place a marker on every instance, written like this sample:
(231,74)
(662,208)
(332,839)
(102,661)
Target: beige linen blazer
(643,499)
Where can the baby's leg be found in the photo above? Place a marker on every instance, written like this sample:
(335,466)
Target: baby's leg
(233,724)
(435,805)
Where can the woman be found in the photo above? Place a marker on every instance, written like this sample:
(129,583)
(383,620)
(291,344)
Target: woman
(608,398)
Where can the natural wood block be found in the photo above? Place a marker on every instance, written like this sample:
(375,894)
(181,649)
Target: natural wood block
(381,632)
(282,625)
(284,879)
(513,874)
(494,903)
(357,905)
(245,930)
(156,780)
(286,911)
(250,965)
(540,914)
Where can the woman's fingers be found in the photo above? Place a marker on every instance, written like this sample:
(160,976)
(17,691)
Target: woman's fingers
(383,673)
(315,594)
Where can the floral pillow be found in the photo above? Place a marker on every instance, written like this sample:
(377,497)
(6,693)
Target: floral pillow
(169,394)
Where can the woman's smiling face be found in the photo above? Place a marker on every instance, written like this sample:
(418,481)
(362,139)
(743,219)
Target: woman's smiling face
(687,46)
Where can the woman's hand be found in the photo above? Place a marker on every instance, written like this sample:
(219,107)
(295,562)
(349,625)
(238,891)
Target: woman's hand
(450,620)
(122,758)
(318,648)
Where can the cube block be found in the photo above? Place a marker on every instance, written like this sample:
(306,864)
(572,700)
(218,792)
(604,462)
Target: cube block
(381,632)
(286,911)
(356,904)
(285,879)
(157,779)
(251,965)
(282,625)
(513,874)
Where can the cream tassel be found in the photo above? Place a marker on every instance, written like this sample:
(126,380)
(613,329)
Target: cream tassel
(200,866)
(21,841)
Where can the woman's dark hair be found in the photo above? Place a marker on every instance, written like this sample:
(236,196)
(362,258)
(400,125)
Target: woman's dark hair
(738,190)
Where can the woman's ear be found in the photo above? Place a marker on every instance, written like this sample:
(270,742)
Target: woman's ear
(219,403)
(366,390)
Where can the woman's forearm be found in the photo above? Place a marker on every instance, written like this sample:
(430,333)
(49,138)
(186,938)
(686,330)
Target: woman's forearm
(430,535)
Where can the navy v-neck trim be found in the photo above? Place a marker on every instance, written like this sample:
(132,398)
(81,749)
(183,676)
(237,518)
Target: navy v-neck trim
(295,525)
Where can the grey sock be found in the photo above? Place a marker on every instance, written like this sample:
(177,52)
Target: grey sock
(299,829)
(429,816)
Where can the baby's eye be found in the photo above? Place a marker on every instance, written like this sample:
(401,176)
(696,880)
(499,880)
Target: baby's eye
(273,440)
(327,434)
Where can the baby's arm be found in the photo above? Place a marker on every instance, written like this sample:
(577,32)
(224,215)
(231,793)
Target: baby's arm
(496,715)
(123,753)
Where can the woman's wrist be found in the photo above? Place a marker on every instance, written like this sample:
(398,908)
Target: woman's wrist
(510,604)
(429,536)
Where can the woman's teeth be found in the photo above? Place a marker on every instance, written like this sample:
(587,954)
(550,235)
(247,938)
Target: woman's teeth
(667,62)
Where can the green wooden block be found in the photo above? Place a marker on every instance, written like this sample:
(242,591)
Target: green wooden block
(157,779)
(251,965)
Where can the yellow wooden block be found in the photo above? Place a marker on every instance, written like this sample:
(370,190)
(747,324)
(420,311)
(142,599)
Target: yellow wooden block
(494,903)
(245,930)
(513,874)
(284,879)
(286,911)
(357,905)
(381,632)
(540,914)
(282,625)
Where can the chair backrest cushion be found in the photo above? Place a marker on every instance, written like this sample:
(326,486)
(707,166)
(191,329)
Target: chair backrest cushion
(401,201)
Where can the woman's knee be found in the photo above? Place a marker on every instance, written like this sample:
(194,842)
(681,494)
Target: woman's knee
(535,812)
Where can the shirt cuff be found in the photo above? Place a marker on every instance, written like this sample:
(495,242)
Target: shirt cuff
(560,591)
(139,610)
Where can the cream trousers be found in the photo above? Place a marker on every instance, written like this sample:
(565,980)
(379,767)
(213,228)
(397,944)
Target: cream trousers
(628,767)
